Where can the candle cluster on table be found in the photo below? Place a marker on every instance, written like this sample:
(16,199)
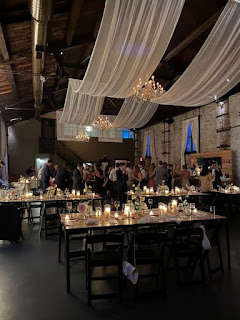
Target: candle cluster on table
(107,211)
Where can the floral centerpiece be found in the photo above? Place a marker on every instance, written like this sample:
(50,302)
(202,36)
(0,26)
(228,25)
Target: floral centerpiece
(51,190)
(87,190)
(162,188)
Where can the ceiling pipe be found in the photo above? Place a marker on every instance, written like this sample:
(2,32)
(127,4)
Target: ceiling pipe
(41,12)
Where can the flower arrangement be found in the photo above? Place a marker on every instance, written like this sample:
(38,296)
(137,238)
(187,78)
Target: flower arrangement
(162,188)
(87,189)
(82,207)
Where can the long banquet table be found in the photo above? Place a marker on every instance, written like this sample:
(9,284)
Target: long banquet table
(78,226)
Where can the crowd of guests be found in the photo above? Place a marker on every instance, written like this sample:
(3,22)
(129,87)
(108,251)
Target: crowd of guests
(113,182)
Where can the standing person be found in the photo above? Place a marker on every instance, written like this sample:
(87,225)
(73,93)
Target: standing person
(137,177)
(176,176)
(99,180)
(121,183)
(2,164)
(30,172)
(206,179)
(55,170)
(185,177)
(46,175)
(62,177)
(78,178)
(107,182)
(161,174)
(169,181)
(113,178)
(144,175)
(216,175)
(151,174)
(130,176)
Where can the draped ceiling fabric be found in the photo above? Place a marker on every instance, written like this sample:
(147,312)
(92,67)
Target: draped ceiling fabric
(216,68)
(134,114)
(131,41)
(80,109)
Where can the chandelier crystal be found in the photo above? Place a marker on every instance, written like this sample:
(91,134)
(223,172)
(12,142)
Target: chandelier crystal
(148,90)
(82,137)
(102,123)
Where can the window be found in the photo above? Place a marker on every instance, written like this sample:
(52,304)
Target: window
(127,134)
(148,153)
(190,146)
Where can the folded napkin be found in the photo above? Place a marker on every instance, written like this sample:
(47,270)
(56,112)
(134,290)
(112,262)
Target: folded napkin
(130,272)
(170,218)
(68,222)
(91,221)
(146,219)
(113,221)
(205,243)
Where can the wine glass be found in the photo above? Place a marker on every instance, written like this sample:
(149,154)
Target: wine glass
(150,202)
(192,207)
(69,207)
(117,204)
(212,210)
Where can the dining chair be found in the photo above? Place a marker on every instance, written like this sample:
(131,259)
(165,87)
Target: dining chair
(10,225)
(149,248)
(101,257)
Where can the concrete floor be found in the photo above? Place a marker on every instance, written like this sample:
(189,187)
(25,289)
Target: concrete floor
(32,286)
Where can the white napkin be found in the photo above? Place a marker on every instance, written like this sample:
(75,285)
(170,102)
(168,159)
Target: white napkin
(91,221)
(69,223)
(113,221)
(205,243)
(170,218)
(200,214)
(130,272)
(146,219)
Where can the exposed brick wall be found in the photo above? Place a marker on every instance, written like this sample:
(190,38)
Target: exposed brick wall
(211,134)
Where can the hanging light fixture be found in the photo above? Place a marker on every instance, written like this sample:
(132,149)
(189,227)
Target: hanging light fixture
(82,137)
(102,123)
(148,90)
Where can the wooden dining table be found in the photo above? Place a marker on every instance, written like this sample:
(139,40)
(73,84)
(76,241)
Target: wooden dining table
(74,225)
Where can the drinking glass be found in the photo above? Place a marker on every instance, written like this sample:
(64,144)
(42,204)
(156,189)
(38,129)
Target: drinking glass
(180,207)
(69,207)
(192,207)
(117,204)
(150,202)
(212,210)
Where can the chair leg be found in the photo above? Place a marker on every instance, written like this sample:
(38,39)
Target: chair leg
(41,223)
(89,285)
(209,267)
(220,256)
(201,264)
(45,224)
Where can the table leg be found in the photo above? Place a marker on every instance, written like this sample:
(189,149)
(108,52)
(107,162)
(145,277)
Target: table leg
(228,245)
(67,261)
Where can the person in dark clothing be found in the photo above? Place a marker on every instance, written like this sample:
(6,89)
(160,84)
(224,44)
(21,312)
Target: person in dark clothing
(121,183)
(169,181)
(216,175)
(62,177)
(30,172)
(99,179)
(46,174)
(78,178)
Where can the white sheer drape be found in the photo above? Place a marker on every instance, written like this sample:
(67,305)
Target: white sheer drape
(216,68)
(80,108)
(3,149)
(113,135)
(195,132)
(145,138)
(134,114)
(152,146)
(185,125)
(131,41)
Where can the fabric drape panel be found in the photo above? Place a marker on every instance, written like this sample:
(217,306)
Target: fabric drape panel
(113,135)
(216,68)
(152,146)
(145,138)
(3,149)
(185,125)
(195,132)
(134,114)
(80,108)
(131,41)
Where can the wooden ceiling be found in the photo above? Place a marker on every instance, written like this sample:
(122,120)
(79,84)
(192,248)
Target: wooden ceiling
(71,36)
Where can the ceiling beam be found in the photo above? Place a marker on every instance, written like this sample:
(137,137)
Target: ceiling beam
(4,51)
(73,20)
(194,35)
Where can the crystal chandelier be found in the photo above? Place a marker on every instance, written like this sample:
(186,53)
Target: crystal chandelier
(149,90)
(83,137)
(103,123)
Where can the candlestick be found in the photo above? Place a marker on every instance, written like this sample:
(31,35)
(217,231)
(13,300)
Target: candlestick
(174,207)
(127,209)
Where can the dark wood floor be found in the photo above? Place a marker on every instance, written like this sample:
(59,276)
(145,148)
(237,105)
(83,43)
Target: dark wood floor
(32,286)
